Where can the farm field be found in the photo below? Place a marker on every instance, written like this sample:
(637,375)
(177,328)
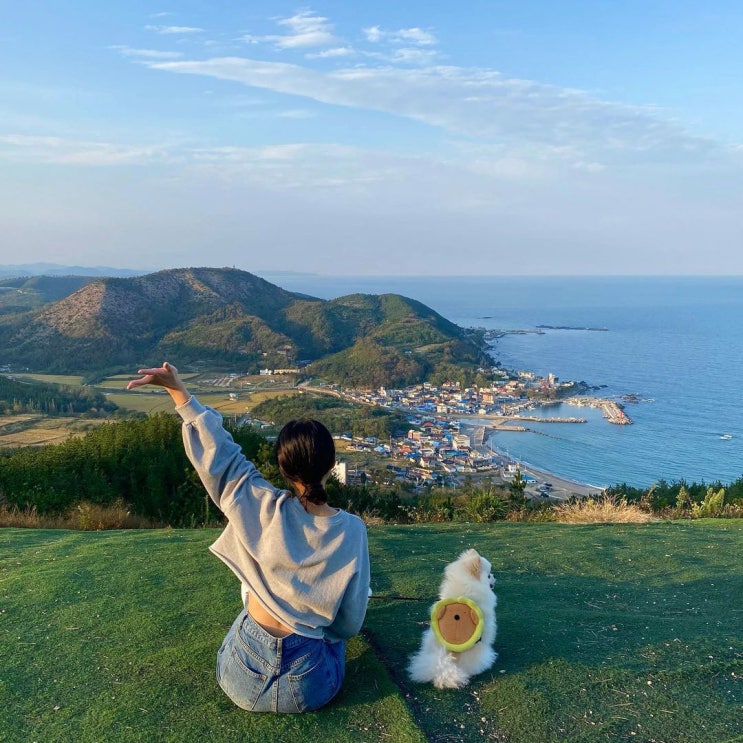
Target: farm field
(34,430)
(213,390)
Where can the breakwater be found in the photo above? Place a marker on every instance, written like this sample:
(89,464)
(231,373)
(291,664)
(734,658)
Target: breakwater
(538,419)
(612,411)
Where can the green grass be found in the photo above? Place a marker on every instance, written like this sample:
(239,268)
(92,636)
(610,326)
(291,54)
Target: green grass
(619,632)
(71,380)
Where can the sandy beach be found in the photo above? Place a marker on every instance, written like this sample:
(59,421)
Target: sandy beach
(562,488)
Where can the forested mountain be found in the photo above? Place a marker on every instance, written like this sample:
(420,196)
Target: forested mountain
(226,318)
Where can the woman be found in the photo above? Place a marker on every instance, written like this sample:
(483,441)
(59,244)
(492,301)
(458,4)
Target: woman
(303,566)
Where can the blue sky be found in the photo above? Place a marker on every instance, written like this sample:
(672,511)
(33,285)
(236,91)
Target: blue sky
(483,137)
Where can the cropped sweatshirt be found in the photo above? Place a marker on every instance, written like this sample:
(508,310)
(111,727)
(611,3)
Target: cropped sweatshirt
(309,572)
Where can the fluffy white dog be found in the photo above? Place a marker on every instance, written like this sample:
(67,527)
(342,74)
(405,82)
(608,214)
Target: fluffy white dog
(468,577)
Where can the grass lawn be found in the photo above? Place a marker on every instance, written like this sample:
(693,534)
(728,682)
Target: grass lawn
(71,380)
(619,632)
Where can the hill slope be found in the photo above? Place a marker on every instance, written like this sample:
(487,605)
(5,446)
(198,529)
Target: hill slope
(605,632)
(225,317)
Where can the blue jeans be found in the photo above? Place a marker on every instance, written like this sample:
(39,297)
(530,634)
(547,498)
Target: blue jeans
(263,673)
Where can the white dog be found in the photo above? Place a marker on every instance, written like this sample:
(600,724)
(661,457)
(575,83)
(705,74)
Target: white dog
(468,577)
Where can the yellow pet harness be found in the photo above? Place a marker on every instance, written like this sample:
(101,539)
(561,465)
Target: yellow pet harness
(457,623)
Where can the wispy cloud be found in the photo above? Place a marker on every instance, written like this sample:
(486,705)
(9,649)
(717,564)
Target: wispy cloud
(151,54)
(175,30)
(406,55)
(299,166)
(60,151)
(406,46)
(339,51)
(416,36)
(295,113)
(473,102)
(304,30)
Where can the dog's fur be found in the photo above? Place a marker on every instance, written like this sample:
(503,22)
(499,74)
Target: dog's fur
(468,576)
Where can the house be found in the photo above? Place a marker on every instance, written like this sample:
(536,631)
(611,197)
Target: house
(340,472)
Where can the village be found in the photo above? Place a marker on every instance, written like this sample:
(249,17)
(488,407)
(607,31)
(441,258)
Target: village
(450,426)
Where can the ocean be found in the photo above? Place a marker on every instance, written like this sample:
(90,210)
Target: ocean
(674,342)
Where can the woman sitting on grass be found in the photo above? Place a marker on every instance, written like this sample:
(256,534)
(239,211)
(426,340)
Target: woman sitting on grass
(303,566)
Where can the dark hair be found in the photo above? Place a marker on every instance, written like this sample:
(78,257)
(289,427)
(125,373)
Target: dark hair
(305,453)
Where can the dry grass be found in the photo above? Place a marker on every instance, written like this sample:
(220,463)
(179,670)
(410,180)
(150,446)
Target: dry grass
(82,517)
(603,510)
(35,430)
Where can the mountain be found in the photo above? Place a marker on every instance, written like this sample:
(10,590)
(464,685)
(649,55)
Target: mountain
(230,319)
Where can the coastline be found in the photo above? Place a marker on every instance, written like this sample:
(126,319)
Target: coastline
(562,487)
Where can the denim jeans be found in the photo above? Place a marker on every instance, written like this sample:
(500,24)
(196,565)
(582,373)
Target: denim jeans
(263,673)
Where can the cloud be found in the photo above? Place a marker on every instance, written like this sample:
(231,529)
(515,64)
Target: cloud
(305,29)
(146,53)
(60,151)
(295,113)
(340,51)
(407,55)
(293,166)
(171,30)
(404,46)
(477,103)
(317,172)
(414,35)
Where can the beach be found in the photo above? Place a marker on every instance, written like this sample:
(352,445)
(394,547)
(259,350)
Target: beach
(561,488)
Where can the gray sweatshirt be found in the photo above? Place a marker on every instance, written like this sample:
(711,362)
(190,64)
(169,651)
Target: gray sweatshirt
(309,572)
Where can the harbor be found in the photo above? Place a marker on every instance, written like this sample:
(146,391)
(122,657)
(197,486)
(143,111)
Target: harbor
(612,411)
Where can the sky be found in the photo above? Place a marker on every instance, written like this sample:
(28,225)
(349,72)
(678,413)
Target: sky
(528,137)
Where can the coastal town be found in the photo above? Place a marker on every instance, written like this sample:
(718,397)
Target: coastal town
(450,426)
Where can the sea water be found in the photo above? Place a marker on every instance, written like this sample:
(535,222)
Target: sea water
(676,343)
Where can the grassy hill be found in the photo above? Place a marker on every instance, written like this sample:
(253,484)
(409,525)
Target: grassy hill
(621,632)
(225,318)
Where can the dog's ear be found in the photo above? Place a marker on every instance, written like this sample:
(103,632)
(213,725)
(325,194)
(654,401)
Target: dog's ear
(473,562)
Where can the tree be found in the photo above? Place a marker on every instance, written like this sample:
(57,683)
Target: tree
(518,485)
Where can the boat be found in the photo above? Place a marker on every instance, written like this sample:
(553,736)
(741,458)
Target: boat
(726,436)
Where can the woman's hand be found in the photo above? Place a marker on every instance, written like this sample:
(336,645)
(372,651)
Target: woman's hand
(165,376)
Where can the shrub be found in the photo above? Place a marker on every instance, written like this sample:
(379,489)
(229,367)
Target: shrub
(484,505)
(431,508)
(84,516)
(711,506)
(602,510)
(87,516)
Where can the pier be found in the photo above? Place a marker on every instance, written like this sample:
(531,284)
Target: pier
(537,419)
(612,411)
